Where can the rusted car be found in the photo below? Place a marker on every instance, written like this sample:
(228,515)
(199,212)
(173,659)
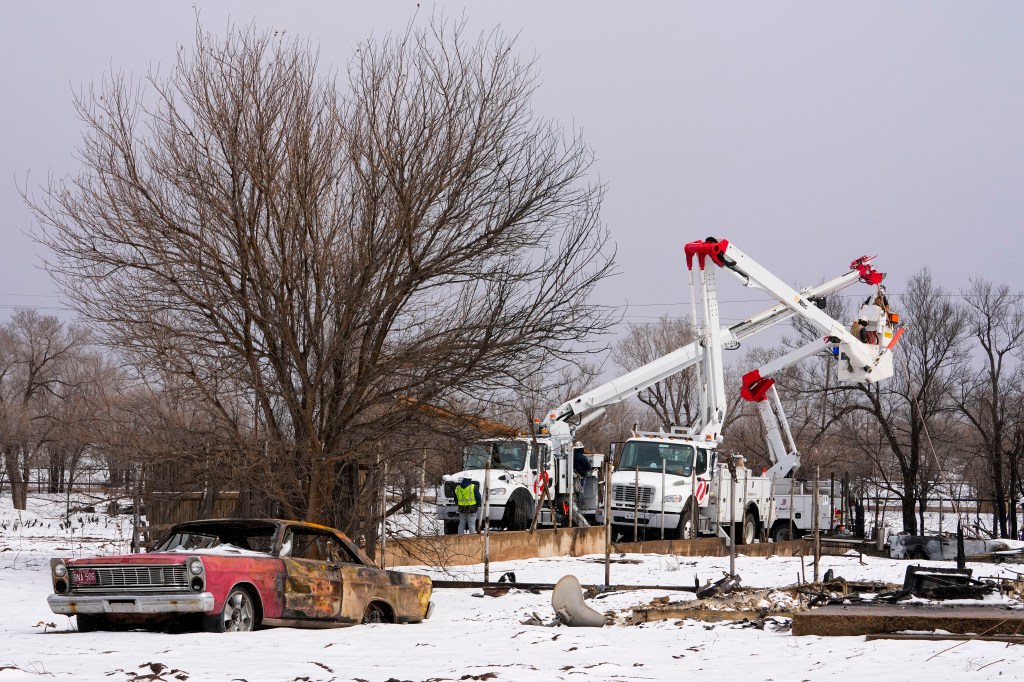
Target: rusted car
(236,575)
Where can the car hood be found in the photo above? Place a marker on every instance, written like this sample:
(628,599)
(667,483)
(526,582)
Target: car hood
(158,557)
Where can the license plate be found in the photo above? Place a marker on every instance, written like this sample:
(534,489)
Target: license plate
(84,577)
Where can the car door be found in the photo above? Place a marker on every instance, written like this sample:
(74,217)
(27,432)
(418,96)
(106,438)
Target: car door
(313,579)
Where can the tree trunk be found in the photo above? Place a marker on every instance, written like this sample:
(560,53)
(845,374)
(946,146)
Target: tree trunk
(909,504)
(999,511)
(19,483)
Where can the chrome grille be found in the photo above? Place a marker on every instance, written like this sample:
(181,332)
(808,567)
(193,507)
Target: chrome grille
(126,578)
(626,494)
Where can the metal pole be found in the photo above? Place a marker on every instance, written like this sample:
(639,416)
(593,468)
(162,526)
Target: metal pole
(732,523)
(607,521)
(569,477)
(743,509)
(662,498)
(487,522)
(636,500)
(693,493)
(792,522)
(832,501)
(817,537)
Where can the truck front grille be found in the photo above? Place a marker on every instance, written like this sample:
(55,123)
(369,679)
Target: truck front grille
(133,578)
(626,494)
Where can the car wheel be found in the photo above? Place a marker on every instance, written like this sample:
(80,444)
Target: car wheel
(375,613)
(451,527)
(238,614)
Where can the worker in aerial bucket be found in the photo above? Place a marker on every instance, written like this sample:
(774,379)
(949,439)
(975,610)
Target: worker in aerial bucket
(467,494)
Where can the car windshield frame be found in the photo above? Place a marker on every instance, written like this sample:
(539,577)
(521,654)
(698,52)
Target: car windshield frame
(189,537)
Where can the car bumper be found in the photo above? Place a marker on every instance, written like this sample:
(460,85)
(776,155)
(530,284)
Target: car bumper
(114,604)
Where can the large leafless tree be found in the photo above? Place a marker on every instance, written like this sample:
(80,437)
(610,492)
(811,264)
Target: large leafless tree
(995,321)
(905,425)
(331,254)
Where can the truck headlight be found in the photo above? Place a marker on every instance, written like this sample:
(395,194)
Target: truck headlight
(497,491)
(672,498)
(195,566)
(60,570)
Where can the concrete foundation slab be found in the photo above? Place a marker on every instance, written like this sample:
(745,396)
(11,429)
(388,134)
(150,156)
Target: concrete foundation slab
(839,621)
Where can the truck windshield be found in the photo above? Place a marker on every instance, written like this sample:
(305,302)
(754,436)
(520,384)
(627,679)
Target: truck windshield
(509,455)
(647,456)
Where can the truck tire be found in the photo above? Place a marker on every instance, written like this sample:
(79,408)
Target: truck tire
(748,529)
(685,530)
(783,531)
(451,527)
(518,512)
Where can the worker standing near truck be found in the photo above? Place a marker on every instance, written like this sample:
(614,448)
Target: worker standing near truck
(467,494)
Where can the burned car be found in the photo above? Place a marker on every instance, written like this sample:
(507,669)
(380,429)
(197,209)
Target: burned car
(236,575)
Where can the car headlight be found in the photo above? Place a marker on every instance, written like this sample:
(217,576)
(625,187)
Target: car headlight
(195,566)
(60,570)
(672,498)
(497,491)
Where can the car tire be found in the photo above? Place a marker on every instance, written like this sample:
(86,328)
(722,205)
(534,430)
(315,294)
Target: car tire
(375,613)
(451,527)
(238,614)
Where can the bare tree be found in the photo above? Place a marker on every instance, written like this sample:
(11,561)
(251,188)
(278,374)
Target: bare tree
(995,319)
(35,355)
(673,400)
(330,260)
(917,402)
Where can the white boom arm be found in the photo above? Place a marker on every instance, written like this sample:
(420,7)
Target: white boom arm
(863,361)
(866,362)
(635,381)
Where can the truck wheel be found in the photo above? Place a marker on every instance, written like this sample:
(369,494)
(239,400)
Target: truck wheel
(685,529)
(451,527)
(522,510)
(748,531)
(518,511)
(782,532)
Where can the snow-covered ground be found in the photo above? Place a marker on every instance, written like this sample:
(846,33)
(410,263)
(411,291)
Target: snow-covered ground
(470,636)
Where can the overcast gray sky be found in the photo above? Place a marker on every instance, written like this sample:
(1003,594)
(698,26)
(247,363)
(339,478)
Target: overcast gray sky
(808,133)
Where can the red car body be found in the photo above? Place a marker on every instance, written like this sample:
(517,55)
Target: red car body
(237,575)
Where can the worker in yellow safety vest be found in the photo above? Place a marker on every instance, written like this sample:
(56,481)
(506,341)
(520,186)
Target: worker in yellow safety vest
(467,494)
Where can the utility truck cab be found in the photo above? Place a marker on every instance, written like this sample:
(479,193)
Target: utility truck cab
(671,486)
(521,468)
(654,478)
